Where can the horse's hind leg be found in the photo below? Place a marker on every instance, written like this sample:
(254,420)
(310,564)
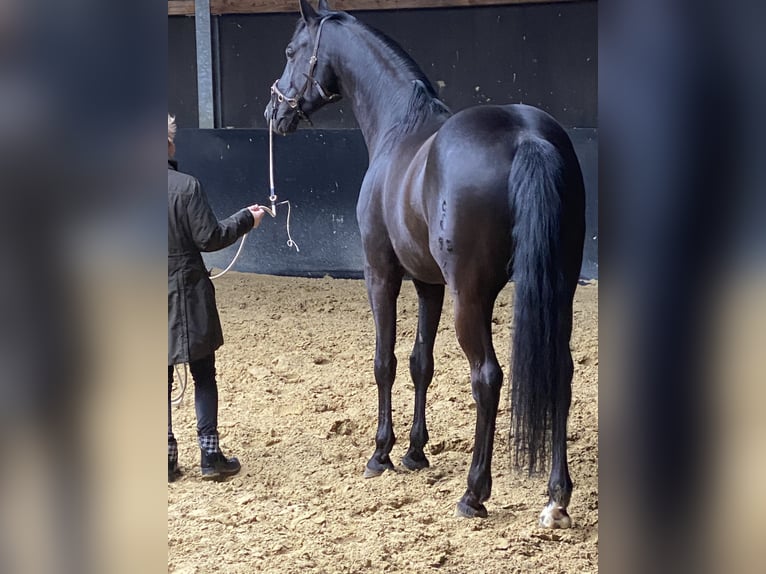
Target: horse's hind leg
(383,289)
(473,324)
(430,298)
(555,515)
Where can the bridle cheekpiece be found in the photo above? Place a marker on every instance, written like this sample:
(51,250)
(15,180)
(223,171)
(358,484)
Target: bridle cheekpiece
(294,102)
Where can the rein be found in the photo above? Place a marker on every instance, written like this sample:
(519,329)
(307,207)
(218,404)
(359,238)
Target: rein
(176,400)
(272,211)
(295,101)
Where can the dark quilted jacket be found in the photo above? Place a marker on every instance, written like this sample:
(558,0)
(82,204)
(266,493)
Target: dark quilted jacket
(194,329)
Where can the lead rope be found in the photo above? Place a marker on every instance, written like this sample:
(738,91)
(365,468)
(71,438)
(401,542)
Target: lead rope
(273,195)
(272,211)
(175,401)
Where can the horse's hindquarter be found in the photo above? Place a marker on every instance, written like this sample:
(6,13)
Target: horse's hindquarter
(445,205)
(469,211)
(470,214)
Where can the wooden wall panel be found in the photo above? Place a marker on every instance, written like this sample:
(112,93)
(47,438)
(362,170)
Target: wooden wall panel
(186,7)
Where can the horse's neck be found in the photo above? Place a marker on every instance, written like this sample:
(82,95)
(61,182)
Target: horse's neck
(380,88)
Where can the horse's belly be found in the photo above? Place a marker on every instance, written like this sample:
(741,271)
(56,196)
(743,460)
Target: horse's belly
(418,262)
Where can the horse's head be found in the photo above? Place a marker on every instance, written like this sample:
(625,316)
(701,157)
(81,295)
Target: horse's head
(308,81)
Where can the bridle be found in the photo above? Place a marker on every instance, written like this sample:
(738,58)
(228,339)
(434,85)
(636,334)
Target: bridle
(295,101)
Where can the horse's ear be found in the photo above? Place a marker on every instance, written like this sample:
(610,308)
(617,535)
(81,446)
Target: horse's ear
(323,6)
(307,11)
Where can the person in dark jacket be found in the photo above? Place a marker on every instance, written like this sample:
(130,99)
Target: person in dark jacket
(194,328)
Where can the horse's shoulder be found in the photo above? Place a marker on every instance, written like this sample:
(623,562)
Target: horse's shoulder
(426,144)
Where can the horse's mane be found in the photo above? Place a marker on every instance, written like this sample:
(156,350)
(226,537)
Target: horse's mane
(424,101)
(422,105)
(401,58)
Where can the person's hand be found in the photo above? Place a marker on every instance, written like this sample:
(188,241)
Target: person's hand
(257,213)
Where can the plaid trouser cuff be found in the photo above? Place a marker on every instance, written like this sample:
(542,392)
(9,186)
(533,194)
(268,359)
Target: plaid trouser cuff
(209,443)
(172,450)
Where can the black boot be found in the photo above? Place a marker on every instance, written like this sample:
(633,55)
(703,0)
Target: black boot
(215,466)
(174,472)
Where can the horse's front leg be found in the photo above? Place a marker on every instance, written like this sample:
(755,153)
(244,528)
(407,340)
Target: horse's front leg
(383,289)
(430,300)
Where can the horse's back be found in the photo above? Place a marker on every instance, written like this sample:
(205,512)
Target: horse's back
(472,153)
(480,130)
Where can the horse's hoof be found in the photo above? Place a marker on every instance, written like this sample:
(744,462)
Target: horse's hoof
(415,460)
(373,472)
(466,511)
(375,468)
(554,516)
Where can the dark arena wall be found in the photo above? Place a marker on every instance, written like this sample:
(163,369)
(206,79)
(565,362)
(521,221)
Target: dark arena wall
(539,54)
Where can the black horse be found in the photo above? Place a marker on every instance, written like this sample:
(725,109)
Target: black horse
(469,200)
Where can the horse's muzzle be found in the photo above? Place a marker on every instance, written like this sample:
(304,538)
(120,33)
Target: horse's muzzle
(285,120)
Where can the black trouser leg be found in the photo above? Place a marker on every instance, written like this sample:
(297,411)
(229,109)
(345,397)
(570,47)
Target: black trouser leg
(206,401)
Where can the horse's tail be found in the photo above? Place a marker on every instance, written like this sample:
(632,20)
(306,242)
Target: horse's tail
(534,185)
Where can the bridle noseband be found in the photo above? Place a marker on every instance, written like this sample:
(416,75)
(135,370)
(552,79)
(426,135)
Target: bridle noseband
(277,97)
